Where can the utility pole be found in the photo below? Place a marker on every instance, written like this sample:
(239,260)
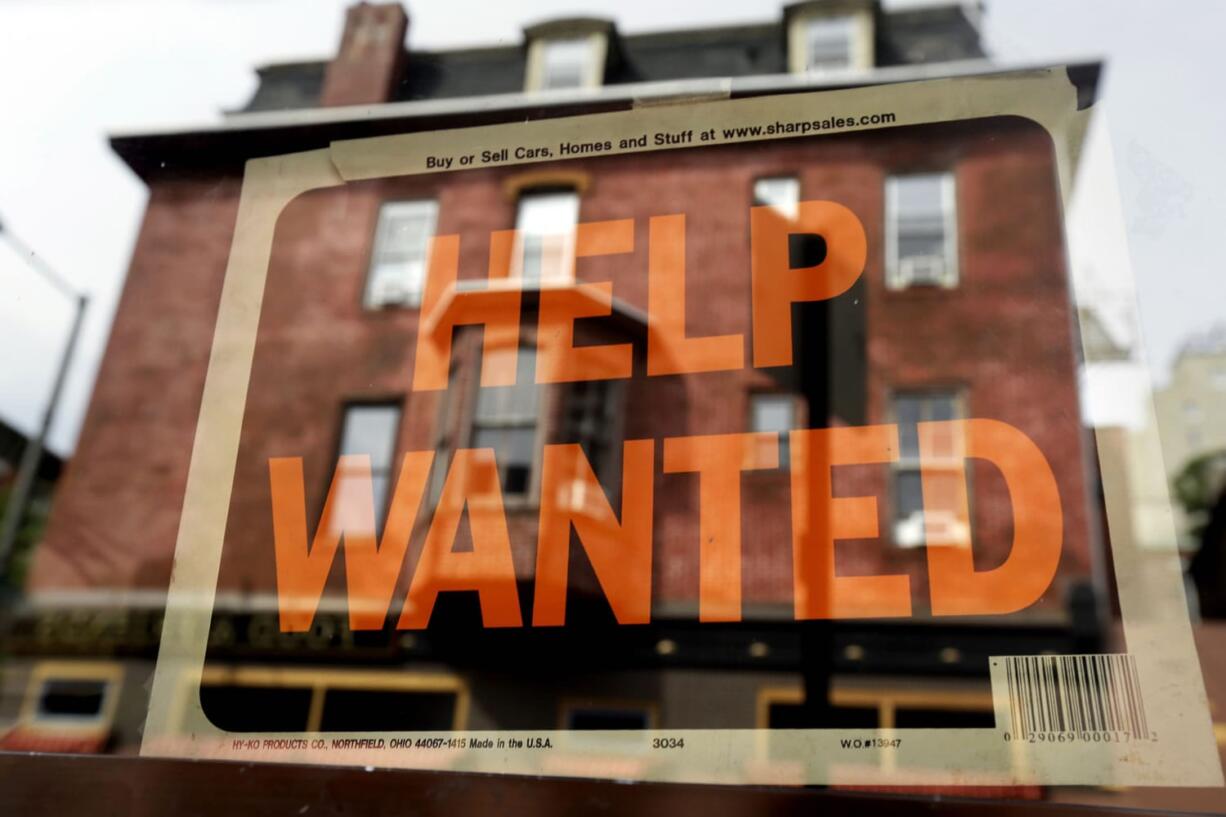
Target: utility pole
(32,454)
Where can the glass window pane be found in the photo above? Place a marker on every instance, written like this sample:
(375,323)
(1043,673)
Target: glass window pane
(547,213)
(382,710)
(829,42)
(922,227)
(779,192)
(71,698)
(511,404)
(908,494)
(546,224)
(919,196)
(907,412)
(398,260)
(773,412)
(566,63)
(513,451)
(371,430)
(942,407)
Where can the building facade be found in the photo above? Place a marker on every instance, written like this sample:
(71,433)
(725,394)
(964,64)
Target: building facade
(963,310)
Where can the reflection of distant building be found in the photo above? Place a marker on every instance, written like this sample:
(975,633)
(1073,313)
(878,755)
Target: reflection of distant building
(1191,411)
(12,443)
(960,313)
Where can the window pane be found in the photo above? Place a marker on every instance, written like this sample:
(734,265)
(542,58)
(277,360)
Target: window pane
(828,40)
(371,430)
(907,412)
(773,412)
(513,451)
(922,228)
(511,404)
(934,718)
(779,192)
(607,718)
(942,407)
(908,494)
(911,409)
(919,197)
(566,62)
(546,224)
(239,708)
(71,698)
(366,710)
(398,261)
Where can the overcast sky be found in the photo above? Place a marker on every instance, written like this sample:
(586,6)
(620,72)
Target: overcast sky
(76,71)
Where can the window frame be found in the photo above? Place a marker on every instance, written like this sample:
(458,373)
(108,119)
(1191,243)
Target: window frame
(793,208)
(413,299)
(951,236)
(530,497)
(608,471)
(592,74)
(396,402)
(959,399)
(567,247)
(887,699)
(570,705)
(783,441)
(320,679)
(109,673)
(861,46)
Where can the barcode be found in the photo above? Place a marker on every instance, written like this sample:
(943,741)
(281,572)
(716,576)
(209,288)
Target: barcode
(1075,693)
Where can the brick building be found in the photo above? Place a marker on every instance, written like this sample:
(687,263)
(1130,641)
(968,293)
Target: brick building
(963,310)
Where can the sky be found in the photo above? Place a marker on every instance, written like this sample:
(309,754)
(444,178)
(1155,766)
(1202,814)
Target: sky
(77,70)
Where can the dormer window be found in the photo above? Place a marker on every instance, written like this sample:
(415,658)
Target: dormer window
(829,43)
(567,54)
(824,40)
(565,63)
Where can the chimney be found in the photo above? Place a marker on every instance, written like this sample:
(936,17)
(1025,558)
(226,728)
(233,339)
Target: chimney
(372,56)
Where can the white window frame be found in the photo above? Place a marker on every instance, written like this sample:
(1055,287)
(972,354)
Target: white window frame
(592,74)
(560,245)
(860,47)
(913,532)
(388,471)
(108,674)
(792,402)
(895,276)
(763,194)
(473,423)
(411,293)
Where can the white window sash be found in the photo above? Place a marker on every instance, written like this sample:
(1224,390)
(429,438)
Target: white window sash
(540,223)
(410,259)
(949,221)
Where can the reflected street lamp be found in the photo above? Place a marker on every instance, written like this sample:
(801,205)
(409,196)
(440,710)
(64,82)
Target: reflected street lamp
(32,453)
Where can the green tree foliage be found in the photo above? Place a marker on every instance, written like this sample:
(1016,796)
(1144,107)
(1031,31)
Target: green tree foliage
(1198,487)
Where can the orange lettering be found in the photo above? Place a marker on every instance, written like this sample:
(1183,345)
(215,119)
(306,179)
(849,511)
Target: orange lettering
(472,481)
(777,285)
(620,553)
(669,351)
(443,309)
(719,460)
(349,513)
(561,361)
(1038,520)
(819,519)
